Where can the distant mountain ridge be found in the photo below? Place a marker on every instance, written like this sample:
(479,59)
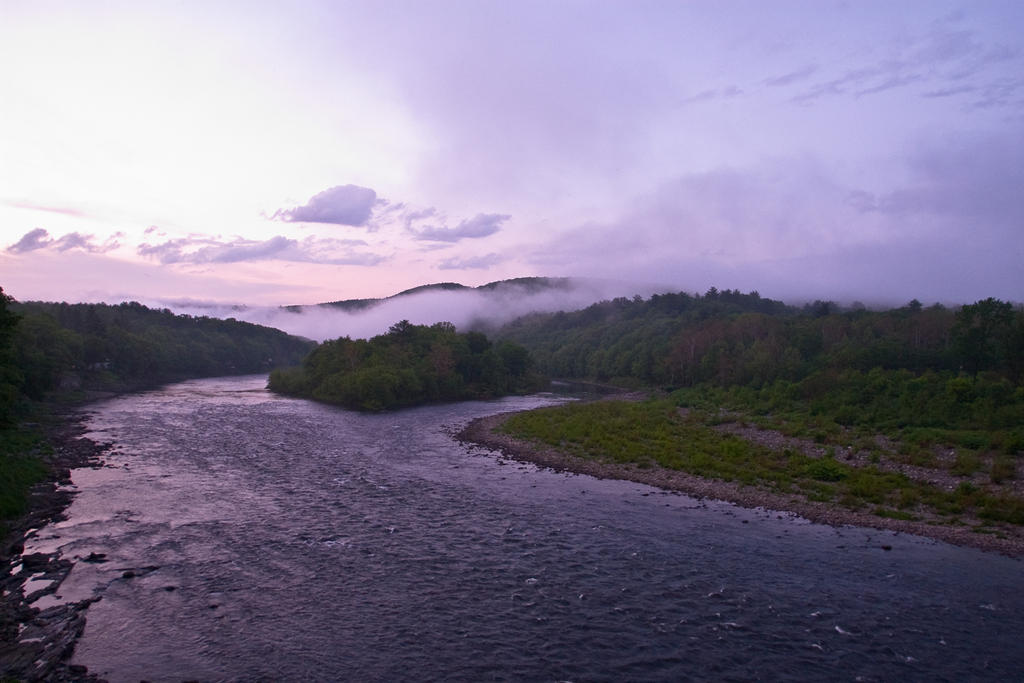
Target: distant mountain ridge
(519,285)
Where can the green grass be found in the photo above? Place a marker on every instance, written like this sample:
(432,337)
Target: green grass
(19,469)
(652,432)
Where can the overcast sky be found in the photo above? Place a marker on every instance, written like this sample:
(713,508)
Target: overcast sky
(311,151)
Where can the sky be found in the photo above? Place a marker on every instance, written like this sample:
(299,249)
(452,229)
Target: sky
(269,153)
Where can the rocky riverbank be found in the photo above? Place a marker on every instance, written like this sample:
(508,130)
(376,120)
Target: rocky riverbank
(35,643)
(483,432)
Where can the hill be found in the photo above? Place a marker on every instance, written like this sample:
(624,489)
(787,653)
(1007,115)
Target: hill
(522,285)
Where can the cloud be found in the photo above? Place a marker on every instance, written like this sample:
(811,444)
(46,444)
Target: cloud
(32,240)
(39,238)
(941,58)
(32,206)
(471,263)
(793,228)
(480,225)
(950,92)
(791,77)
(728,92)
(896,81)
(280,248)
(464,308)
(412,217)
(339,205)
(971,185)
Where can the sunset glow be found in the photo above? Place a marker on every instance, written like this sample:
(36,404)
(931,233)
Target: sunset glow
(264,153)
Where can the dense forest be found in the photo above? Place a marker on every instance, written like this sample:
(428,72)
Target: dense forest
(49,347)
(409,365)
(728,338)
(931,367)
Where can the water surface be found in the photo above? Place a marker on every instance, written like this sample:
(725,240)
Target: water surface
(250,536)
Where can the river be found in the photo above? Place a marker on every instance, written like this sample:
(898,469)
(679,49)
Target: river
(249,536)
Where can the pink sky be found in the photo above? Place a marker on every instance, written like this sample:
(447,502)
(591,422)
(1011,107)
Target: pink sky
(265,153)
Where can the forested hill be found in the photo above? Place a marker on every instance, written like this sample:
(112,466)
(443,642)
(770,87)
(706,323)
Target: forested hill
(630,340)
(515,286)
(410,365)
(59,346)
(729,338)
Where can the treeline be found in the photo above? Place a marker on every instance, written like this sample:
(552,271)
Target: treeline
(410,365)
(57,346)
(728,338)
(913,367)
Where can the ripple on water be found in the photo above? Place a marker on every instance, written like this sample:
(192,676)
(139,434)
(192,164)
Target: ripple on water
(291,540)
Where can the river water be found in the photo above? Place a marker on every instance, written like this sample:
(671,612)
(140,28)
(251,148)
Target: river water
(254,537)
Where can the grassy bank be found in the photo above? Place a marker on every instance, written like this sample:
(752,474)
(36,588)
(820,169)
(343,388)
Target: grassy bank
(794,453)
(20,469)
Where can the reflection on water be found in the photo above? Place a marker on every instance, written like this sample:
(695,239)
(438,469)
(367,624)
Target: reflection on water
(251,536)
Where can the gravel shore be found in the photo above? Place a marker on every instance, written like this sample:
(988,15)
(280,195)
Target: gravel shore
(482,432)
(35,643)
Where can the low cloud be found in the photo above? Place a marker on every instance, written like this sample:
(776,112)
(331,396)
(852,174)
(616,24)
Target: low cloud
(39,238)
(480,225)
(792,228)
(471,263)
(466,309)
(340,205)
(309,250)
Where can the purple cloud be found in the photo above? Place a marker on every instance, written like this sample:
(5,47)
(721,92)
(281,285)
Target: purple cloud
(74,240)
(421,215)
(791,77)
(51,209)
(480,225)
(39,238)
(942,58)
(727,92)
(339,205)
(32,240)
(280,248)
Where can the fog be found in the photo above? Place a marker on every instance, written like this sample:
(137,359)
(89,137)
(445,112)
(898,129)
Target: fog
(467,308)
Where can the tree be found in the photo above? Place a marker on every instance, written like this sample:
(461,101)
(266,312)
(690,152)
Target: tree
(10,378)
(982,334)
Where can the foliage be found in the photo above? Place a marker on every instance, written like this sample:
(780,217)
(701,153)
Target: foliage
(924,386)
(655,432)
(59,346)
(18,469)
(10,378)
(923,411)
(410,365)
(727,338)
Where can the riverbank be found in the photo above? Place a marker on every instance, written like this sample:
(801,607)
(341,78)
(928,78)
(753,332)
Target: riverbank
(484,432)
(35,643)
